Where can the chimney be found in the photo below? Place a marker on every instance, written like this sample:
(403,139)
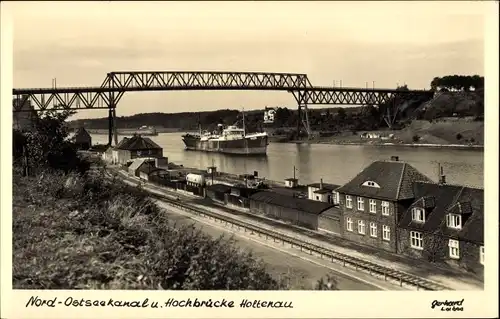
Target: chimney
(442,177)
(321,184)
(442,180)
(395,158)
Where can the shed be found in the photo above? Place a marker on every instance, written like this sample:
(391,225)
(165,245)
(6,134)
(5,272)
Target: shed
(82,138)
(324,192)
(144,165)
(291,182)
(218,192)
(299,211)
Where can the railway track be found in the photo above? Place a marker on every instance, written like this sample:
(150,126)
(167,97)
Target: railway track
(394,276)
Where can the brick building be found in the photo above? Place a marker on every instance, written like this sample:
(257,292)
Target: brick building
(445,224)
(374,200)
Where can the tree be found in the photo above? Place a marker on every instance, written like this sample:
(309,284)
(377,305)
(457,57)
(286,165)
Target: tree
(47,145)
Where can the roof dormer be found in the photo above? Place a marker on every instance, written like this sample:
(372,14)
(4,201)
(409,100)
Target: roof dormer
(458,214)
(418,214)
(371,184)
(428,202)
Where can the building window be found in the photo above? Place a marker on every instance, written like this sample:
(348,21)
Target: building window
(371,184)
(454,221)
(349,224)
(386,233)
(361,227)
(373,230)
(335,197)
(416,240)
(361,203)
(385,208)
(418,215)
(373,206)
(317,197)
(454,247)
(348,201)
(481,255)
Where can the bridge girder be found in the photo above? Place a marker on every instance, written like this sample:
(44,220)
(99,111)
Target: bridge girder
(109,93)
(352,96)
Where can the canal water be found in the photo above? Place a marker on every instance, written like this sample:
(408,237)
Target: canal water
(336,164)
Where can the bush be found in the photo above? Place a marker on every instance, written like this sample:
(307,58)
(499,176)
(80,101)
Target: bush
(47,145)
(416,138)
(459,136)
(81,232)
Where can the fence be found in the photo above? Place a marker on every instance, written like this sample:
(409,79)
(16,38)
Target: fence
(356,263)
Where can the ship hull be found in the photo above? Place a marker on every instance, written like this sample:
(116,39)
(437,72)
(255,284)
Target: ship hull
(246,146)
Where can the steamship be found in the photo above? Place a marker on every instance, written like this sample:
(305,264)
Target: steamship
(228,140)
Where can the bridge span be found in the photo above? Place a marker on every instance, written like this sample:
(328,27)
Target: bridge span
(115,84)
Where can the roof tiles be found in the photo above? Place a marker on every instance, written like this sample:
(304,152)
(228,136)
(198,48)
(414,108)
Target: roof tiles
(466,201)
(301,204)
(137,142)
(395,179)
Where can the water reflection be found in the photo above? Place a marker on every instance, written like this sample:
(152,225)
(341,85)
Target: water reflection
(334,163)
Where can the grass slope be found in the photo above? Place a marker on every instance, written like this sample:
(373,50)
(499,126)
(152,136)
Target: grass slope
(73,232)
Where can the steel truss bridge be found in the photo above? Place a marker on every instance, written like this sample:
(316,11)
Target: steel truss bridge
(114,86)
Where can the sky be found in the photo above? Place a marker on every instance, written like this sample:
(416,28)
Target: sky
(357,42)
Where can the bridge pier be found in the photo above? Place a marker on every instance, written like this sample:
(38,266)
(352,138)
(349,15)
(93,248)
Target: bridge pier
(111,120)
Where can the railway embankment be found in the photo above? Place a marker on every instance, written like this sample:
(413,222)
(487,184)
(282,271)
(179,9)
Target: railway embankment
(414,274)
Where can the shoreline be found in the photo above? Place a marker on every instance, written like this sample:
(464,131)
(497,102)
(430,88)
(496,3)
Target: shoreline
(412,145)
(420,145)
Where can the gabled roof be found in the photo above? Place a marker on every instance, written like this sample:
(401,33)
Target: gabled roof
(82,134)
(327,186)
(394,177)
(137,142)
(301,204)
(137,163)
(466,201)
(122,142)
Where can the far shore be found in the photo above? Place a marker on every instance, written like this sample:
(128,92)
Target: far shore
(420,145)
(330,142)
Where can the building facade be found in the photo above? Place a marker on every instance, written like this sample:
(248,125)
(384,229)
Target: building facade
(445,224)
(141,165)
(323,192)
(135,147)
(373,202)
(298,211)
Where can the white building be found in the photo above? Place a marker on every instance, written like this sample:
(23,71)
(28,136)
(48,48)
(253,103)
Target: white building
(323,192)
